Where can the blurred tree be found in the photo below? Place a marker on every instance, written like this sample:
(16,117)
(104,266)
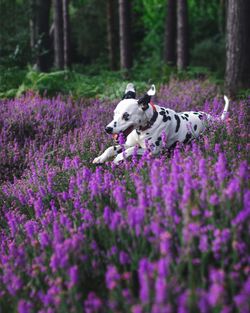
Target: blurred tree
(238,46)
(126,59)
(43,41)
(221,17)
(58,35)
(170,33)
(111,33)
(89,41)
(14,35)
(33,24)
(66,34)
(149,18)
(182,35)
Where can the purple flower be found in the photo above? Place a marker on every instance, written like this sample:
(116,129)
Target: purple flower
(124,258)
(73,276)
(144,271)
(160,290)
(112,277)
(137,309)
(216,290)
(183,303)
(165,243)
(242,298)
(221,168)
(38,207)
(44,239)
(107,215)
(24,306)
(214,199)
(31,228)
(203,245)
(119,195)
(116,220)
(92,304)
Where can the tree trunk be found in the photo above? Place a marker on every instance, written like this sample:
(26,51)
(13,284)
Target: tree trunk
(33,24)
(111,33)
(170,34)
(66,32)
(237,46)
(125,34)
(58,35)
(43,40)
(182,35)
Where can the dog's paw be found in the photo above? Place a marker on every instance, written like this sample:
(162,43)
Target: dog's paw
(98,160)
(118,159)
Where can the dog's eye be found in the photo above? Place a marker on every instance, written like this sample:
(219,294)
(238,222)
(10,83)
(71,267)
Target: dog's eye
(125,116)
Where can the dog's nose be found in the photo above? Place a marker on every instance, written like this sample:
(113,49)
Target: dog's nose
(109,130)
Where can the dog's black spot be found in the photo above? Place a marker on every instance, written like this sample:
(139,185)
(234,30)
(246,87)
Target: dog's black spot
(166,118)
(138,132)
(159,138)
(125,116)
(162,113)
(129,95)
(186,114)
(196,113)
(195,127)
(200,117)
(147,133)
(183,117)
(157,143)
(167,111)
(188,137)
(162,109)
(115,148)
(173,145)
(149,138)
(178,120)
(119,151)
(115,124)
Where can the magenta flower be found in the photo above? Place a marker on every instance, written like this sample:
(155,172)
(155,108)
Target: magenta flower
(73,276)
(112,277)
(24,306)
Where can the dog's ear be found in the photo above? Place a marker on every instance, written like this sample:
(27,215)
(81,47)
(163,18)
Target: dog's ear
(129,92)
(144,100)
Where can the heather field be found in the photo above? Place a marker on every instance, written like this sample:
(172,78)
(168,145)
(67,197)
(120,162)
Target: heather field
(165,234)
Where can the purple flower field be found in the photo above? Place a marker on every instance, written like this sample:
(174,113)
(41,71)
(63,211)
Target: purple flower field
(159,234)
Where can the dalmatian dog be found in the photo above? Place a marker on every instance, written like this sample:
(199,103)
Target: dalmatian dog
(142,124)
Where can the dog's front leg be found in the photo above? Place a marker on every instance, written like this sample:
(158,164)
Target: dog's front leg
(128,152)
(107,154)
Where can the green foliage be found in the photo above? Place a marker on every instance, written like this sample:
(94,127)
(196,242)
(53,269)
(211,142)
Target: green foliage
(104,85)
(89,39)
(14,32)
(211,53)
(151,17)
(244,94)
(206,19)
(10,78)
(88,26)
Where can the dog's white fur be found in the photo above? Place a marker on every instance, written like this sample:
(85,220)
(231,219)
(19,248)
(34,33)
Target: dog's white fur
(178,127)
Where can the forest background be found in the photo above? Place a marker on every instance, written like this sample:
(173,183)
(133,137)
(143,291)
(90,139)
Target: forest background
(88,47)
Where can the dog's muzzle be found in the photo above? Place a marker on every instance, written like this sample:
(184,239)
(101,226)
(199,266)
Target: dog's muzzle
(125,133)
(109,130)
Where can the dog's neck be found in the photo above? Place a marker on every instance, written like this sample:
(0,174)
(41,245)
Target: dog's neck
(152,115)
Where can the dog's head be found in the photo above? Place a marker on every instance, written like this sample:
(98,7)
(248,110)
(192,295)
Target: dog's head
(130,113)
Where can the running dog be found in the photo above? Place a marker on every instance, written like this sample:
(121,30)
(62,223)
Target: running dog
(142,123)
